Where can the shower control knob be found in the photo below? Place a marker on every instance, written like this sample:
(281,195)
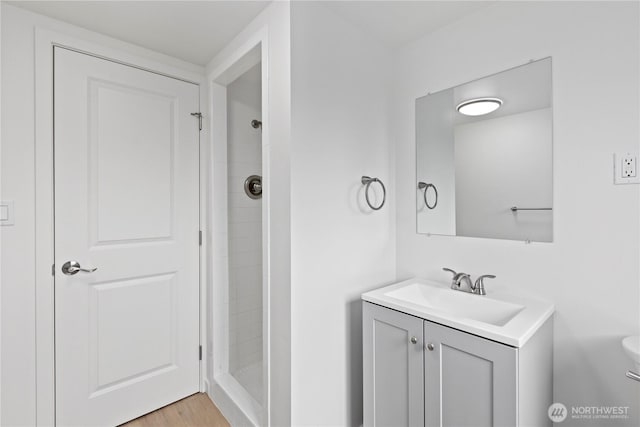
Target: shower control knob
(414,340)
(430,347)
(253,187)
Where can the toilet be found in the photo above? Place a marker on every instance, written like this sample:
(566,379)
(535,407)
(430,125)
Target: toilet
(631,346)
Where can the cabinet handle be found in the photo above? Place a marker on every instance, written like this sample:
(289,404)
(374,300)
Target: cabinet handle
(430,347)
(414,340)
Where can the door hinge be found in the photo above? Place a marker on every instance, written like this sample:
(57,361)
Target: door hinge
(53,269)
(200,237)
(200,353)
(199,116)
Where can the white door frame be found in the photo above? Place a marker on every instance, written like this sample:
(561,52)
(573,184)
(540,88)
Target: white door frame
(45,40)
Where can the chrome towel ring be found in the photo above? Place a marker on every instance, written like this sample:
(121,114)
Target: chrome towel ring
(424,186)
(366,181)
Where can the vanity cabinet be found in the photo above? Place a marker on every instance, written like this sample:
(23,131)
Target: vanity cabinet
(469,381)
(421,373)
(393,368)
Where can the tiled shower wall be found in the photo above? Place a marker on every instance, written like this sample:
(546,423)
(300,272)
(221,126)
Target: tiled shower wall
(244,153)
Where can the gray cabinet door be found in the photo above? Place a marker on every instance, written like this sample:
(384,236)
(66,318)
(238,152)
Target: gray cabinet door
(393,368)
(469,381)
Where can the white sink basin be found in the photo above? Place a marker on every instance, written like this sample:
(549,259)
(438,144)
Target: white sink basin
(508,319)
(460,304)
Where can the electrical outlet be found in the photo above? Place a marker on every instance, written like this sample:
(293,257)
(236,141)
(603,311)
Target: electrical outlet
(628,166)
(625,168)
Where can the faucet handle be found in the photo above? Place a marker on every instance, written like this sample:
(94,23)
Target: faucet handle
(450,271)
(478,287)
(456,276)
(455,280)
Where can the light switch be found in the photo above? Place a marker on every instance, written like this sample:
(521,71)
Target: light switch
(6,212)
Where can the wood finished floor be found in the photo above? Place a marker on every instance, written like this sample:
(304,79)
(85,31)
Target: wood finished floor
(193,411)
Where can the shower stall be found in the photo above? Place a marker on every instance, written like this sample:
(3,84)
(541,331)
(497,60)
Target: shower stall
(236,366)
(244,213)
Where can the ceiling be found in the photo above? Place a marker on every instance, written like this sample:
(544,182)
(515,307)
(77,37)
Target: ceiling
(195,31)
(396,23)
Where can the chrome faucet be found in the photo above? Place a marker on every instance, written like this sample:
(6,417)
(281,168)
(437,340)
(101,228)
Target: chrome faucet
(458,279)
(474,288)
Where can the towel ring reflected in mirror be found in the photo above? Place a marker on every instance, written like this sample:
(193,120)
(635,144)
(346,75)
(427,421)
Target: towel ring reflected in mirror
(366,181)
(425,187)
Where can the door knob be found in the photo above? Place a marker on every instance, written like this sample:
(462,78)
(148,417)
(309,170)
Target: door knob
(72,267)
(430,347)
(414,340)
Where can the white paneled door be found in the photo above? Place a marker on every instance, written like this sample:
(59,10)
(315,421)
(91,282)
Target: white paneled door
(126,205)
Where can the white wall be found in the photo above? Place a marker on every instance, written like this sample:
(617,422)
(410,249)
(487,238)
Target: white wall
(244,151)
(590,271)
(512,154)
(18,316)
(18,291)
(0,234)
(339,247)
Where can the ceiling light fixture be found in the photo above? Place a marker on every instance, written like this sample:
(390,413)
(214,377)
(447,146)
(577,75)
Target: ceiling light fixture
(479,106)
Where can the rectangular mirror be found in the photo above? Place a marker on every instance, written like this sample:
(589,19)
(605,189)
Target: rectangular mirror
(484,149)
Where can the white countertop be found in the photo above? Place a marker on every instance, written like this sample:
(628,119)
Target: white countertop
(420,297)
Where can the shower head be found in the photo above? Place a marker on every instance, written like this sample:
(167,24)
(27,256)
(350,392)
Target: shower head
(256,124)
